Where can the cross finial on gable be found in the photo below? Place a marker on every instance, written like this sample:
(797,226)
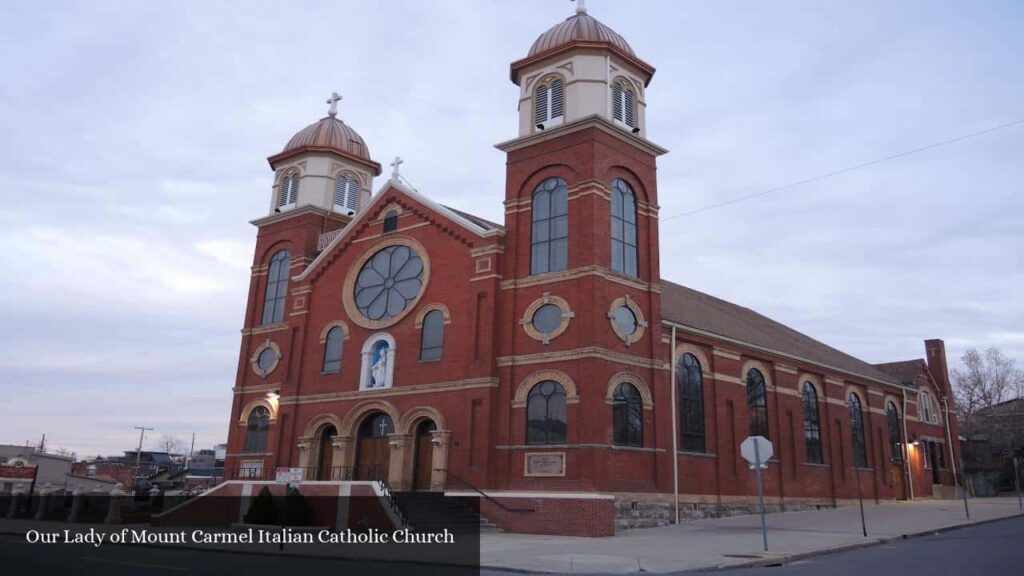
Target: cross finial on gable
(394,173)
(333,101)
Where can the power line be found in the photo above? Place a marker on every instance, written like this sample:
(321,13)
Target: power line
(847,169)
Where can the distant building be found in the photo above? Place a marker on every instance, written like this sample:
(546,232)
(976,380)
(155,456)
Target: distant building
(51,468)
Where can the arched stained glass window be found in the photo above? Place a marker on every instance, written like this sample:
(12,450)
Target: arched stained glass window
(332,350)
(546,414)
(860,449)
(627,415)
(895,432)
(757,403)
(257,430)
(550,234)
(277,287)
(812,424)
(432,339)
(624,250)
(690,379)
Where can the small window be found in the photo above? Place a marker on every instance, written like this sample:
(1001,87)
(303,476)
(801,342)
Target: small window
(547,318)
(277,287)
(549,240)
(549,103)
(257,430)
(266,360)
(860,449)
(346,194)
(432,340)
(625,320)
(391,221)
(927,408)
(757,403)
(288,190)
(546,414)
(623,104)
(332,350)
(690,379)
(812,425)
(627,415)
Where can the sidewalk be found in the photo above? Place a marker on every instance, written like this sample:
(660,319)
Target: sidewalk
(714,543)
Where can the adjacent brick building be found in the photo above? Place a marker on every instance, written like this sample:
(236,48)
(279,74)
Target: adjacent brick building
(545,361)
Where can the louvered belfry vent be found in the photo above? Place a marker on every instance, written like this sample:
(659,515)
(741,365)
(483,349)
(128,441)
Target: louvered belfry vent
(617,101)
(540,106)
(629,105)
(346,193)
(557,98)
(288,192)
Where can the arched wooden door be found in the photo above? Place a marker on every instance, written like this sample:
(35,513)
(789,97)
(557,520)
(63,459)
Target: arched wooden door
(373,455)
(325,454)
(424,460)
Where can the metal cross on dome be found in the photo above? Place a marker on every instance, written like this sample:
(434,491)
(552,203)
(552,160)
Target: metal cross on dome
(398,162)
(581,6)
(333,101)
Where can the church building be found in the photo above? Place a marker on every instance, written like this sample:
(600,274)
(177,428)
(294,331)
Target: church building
(543,364)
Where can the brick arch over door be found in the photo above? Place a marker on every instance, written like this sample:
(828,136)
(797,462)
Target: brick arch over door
(411,419)
(350,423)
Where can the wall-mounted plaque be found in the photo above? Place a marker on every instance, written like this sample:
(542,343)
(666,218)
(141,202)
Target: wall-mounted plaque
(545,464)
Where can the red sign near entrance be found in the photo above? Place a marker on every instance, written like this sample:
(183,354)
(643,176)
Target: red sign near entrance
(18,471)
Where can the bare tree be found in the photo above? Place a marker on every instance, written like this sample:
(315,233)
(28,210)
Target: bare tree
(984,381)
(170,444)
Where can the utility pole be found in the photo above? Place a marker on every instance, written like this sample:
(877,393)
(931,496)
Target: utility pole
(138,453)
(191,450)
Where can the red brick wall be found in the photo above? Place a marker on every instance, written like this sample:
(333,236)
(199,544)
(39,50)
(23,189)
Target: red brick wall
(563,516)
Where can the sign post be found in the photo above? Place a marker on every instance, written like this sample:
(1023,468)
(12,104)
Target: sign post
(287,476)
(757,450)
(1016,482)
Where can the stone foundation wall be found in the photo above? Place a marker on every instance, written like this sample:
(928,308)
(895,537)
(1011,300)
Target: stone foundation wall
(631,514)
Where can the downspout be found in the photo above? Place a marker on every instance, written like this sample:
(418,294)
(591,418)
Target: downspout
(675,432)
(949,440)
(906,449)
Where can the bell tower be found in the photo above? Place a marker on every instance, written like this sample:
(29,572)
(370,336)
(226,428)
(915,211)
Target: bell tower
(580,274)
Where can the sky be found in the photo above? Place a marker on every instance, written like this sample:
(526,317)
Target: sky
(134,137)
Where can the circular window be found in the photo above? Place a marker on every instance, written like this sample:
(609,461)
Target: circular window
(389,282)
(547,318)
(265,359)
(625,320)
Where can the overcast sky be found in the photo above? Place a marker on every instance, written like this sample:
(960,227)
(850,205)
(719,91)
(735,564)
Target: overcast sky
(134,137)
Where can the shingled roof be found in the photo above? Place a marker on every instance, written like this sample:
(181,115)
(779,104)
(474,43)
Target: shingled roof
(905,371)
(717,317)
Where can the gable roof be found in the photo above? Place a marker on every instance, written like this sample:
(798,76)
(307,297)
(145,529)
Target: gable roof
(904,371)
(716,317)
(478,226)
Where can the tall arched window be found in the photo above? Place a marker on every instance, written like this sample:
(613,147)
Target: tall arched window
(757,403)
(277,287)
(432,339)
(926,408)
(624,252)
(546,418)
(623,103)
(860,447)
(346,193)
(895,432)
(812,425)
(549,103)
(288,190)
(690,379)
(627,415)
(550,235)
(257,430)
(332,350)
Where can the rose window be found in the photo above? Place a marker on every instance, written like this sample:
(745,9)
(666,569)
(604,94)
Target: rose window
(389,282)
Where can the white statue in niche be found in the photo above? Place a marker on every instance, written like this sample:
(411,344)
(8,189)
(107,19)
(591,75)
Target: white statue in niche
(379,368)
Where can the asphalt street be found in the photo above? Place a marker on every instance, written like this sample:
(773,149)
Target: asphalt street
(992,549)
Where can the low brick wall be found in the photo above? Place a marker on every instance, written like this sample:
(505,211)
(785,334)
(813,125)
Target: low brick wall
(551,514)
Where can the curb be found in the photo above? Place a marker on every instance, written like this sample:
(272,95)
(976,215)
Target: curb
(783,560)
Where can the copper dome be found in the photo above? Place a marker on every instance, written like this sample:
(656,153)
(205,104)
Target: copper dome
(331,134)
(579,27)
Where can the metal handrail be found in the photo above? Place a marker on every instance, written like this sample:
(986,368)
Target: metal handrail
(487,496)
(392,501)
